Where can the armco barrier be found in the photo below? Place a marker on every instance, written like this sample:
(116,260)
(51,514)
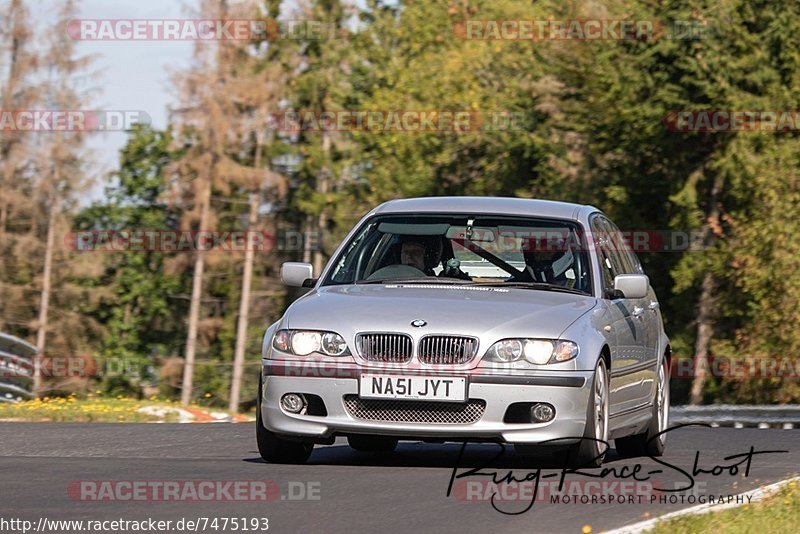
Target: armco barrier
(16,368)
(785,416)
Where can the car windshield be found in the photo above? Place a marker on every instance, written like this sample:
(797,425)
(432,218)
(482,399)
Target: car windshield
(520,252)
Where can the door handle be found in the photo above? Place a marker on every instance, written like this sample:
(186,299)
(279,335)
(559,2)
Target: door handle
(654,305)
(637,311)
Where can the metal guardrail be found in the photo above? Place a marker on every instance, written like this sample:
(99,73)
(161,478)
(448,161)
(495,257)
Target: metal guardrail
(786,416)
(16,368)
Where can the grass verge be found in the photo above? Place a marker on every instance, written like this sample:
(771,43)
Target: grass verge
(93,409)
(778,512)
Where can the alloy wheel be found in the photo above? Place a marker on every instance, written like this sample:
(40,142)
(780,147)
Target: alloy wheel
(662,403)
(600,409)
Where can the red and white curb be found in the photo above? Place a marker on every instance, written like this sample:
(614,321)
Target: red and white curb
(754,496)
(194,415)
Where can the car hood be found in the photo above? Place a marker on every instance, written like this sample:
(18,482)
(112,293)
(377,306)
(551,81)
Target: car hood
(465,310)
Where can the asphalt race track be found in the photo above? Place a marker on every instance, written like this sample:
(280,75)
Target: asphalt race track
(403,491)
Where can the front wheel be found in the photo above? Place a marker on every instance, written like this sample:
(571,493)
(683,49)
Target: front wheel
(653,440)
(591,451)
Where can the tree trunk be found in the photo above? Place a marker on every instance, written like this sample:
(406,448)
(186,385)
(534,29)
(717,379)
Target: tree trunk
(244,310)
(44,304)
(319,260)
(705,332)
(8,173)
(194,306)
(307,239)
(244,303)
(216,142)
(322,219)
(706,307)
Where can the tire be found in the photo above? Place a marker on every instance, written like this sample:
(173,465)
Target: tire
(275,449)
(646,443)
(364,443)
(590,452)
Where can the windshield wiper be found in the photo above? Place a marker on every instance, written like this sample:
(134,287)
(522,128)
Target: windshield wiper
(428,280)
(535,285)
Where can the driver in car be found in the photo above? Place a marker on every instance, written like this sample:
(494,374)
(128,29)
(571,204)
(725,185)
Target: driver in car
(412,253)
(418,257)
(550,266)
(421,254)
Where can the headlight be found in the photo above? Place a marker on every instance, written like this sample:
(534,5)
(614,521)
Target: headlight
(305,342)
(508,350)
(333,344)
(280,340)
(536,351)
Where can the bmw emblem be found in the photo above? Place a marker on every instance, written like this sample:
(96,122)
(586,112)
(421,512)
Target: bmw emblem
(419,323)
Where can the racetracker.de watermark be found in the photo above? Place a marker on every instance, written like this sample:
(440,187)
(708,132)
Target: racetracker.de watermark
(736,367)
(200,30)
(579,30)
(717,120)
(534,239)
(60,366)
(459,121)
(606,491)
(75,120)
(188,240)
(193,490)
(47,366)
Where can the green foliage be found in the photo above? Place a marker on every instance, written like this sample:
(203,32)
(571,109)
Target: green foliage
(139,310)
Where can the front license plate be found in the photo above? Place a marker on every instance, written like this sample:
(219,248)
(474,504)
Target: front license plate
(441,388)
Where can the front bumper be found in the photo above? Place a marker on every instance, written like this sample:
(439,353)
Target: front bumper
(567,392)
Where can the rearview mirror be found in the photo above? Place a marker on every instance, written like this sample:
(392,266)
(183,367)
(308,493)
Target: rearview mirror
(631,286)
(294,273)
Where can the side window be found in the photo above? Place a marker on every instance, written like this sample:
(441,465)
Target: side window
(620,251)
(637,265)
(625,250)
(608,268)
(615,254)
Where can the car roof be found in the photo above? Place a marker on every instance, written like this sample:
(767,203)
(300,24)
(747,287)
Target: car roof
(486,206)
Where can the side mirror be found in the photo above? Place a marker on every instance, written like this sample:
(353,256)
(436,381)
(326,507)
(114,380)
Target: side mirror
(631,286)
(294,274)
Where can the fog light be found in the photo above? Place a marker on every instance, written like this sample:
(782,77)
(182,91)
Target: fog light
(542,413)
(293,402)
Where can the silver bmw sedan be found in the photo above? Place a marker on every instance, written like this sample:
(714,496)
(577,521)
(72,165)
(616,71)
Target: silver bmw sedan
(527,322)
